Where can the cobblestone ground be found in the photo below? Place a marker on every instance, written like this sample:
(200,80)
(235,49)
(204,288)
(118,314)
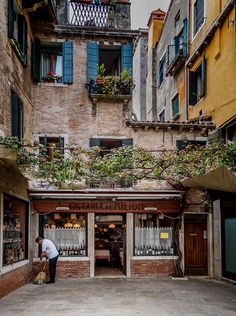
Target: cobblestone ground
(123,297)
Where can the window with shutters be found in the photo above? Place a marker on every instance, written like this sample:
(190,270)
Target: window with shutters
(198,15)
(110,69)
(16,116)
(197,83)
(17,30)
(182,144)
(175,106)
(54,146)
(162,69)
(52,61)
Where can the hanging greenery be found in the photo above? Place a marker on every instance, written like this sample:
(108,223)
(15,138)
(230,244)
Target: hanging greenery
(124,164)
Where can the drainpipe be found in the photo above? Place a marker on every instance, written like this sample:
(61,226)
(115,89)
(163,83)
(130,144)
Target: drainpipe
(186,70)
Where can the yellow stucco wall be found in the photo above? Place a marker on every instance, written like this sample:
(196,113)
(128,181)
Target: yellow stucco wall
(154,33)
(220,98)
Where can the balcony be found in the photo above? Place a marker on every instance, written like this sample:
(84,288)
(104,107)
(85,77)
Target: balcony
(96,14)
(110,88)
(176,56)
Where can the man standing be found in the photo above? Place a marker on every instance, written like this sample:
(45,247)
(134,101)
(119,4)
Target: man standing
(50,251)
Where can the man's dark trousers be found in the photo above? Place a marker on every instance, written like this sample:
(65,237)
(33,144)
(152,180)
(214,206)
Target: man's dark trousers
(52,268)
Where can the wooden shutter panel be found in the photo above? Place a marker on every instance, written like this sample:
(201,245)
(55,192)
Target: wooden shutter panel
(127,142)
(11,16)
(67,50)
(36,59)
(176,43)
(24,26)
(15,115)
(203,69)
(185,37)
(192,88)
(127,56)
(93,59)
(93,142)
(181,144)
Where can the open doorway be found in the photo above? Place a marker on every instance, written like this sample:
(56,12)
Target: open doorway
(110,245)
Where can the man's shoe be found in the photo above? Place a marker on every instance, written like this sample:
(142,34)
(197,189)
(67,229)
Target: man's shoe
(49,282)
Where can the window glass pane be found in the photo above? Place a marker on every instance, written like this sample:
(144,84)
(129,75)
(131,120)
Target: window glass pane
(15,230)
(198,15)
(153,235)
(175,105)
(45,63)
(58,65)
(230,245)
(67,231)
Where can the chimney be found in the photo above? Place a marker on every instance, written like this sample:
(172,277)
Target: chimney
(155,25)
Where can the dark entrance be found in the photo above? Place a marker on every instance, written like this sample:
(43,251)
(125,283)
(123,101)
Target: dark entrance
(110,245)
(195,244)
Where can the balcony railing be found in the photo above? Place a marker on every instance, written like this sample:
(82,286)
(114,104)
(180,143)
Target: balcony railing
(90,14)
(108,92)
(176,56)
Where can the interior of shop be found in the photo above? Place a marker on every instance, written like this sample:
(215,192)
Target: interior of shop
(109,245)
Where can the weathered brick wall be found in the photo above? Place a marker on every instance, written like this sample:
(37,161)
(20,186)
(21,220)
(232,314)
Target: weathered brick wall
(13,75)
(65,269)
(163,267)
(14,279)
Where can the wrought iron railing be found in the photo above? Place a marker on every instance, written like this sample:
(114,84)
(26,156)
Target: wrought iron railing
(90,14)
(94,88)
(176,55)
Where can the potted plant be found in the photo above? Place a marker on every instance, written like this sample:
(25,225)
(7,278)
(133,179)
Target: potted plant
(101,69)
(52,77)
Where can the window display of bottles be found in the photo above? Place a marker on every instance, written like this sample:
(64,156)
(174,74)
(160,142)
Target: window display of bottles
(72,250)
(154,251)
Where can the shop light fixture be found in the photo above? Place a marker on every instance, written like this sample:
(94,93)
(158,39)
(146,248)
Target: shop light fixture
(150,208)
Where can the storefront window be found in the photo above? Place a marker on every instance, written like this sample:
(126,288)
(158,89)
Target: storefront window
(154,235)
(67,231)
(15,230)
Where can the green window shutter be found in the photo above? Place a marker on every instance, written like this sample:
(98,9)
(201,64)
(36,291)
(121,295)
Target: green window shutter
(94,142)
(203,69)
(24,33)
(93,59)
(16,116)
(67,50)
(192,95)
(11,16)
(181,144)
(185,37)
(127,142)
(176,43)
(36,59)
(127,56)
(175,105)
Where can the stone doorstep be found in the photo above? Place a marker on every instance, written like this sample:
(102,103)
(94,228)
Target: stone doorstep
(184,278)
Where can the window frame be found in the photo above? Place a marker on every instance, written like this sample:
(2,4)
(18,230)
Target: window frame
(50,151)
(163,111)
(194,34)
(176,115)
(25,231)
(163,65)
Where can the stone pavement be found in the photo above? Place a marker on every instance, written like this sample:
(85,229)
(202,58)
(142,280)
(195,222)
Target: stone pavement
(123,297)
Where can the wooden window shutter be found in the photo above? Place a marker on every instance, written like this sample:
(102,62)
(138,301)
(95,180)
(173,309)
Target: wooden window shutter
(185,37)
(203,70)
(16,126)
(94,142)
(176,43)
(36,59)
(11,16)
(181,144)
(192,88)
(127,56)
(127,142)
(93,59)
(24,26)
(67,50)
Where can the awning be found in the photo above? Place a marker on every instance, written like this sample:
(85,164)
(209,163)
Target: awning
(220,179)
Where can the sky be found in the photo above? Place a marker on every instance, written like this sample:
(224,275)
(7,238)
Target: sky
(141,10)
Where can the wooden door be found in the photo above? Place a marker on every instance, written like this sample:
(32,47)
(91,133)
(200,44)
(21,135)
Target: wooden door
(195,245)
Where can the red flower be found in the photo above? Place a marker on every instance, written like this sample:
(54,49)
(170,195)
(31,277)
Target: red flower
(51,73)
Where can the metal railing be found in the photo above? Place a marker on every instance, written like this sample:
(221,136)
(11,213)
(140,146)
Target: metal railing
(90,14)
(175,57)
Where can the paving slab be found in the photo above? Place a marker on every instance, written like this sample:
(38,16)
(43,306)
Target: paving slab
(123,296)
